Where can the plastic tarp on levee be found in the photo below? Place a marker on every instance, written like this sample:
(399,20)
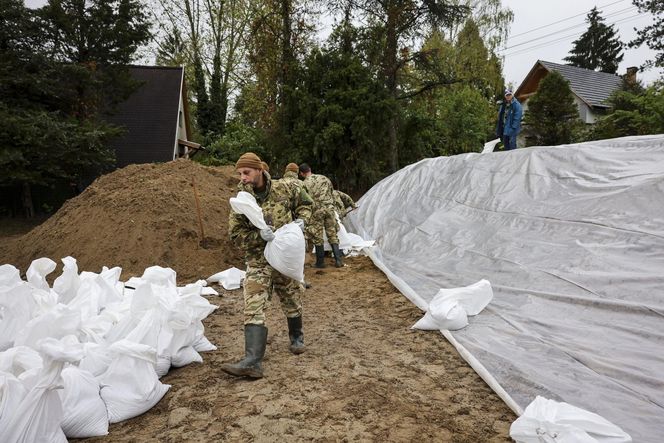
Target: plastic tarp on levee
(571,239)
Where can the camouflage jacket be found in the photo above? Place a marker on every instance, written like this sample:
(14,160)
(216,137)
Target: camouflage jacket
(291,179)
(320,189)
(343,201)
(281,203)
(290,175)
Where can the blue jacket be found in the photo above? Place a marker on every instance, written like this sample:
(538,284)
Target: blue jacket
(513,121)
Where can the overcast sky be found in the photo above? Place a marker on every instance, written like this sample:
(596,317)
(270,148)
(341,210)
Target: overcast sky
(553,41)
(545,30)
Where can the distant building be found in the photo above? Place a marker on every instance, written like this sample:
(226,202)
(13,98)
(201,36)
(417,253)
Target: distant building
(155,117)
(591,89)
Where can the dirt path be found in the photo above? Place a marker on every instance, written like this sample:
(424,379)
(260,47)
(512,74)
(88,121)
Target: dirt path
(365,376)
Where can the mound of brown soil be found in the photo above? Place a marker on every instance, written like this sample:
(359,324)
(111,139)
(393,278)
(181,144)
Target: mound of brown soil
(140,216)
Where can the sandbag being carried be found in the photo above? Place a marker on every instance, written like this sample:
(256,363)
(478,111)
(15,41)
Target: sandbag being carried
(286,252)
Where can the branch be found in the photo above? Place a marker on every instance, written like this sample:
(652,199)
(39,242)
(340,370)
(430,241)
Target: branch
(428,87)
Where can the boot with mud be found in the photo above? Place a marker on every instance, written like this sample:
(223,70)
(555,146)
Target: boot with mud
(338,256)
(296,335)
(320,257)
(255,339)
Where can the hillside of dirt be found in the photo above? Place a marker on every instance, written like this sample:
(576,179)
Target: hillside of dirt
(140,216)
(366,376)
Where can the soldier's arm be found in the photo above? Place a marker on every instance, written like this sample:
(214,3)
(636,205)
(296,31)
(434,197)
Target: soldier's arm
(302,205)
(243,234)
(347,200)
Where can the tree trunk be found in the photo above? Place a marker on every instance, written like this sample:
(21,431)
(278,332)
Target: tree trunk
(28,208)
(287,62)
(390,69)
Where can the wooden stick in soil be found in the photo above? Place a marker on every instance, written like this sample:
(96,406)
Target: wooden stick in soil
(198,208)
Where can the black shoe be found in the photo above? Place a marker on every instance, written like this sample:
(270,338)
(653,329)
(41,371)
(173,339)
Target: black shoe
(320,257)
(338,260)
(255,339)
(296,335)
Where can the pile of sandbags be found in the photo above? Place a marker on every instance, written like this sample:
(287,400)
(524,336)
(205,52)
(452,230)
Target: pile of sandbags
(91,349)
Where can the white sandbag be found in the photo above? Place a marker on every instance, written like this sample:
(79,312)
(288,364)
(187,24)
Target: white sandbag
(546,420)
(38,416)
(84,412)
(202,344)
(443,314)
(12,392)
(184,334)
(200,287)
(9,276)
(38,271)
(349,243)
(130,385)
(450,308)
(96,359)
(230,278)
(490,146)
(246,204)
(88,300)
(55,323)
(160,276)
(16,309)
(286,253)
(68,283)
(22,362)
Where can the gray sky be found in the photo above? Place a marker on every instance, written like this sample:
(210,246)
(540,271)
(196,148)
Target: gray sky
(553,43)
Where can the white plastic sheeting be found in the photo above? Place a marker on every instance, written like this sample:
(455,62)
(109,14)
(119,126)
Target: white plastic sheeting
(572,240)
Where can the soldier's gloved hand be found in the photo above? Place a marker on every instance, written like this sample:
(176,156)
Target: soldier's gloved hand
(267,234)
(300,223)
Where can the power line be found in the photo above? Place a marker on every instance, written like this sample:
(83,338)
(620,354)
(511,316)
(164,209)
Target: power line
(549,43)
(563,20)
(622,11)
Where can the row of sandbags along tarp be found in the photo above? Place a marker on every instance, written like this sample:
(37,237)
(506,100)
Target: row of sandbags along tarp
(90,350)
(571,239)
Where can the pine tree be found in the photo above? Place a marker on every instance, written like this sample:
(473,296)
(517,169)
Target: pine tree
(552,117)
(58,71)
(599,48)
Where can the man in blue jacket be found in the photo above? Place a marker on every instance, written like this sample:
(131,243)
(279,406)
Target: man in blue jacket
(509,121)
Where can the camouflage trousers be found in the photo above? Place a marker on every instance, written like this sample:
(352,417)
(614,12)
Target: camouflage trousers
(261,281)
(323,220)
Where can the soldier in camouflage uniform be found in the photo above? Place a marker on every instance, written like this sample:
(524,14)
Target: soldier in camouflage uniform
(290,174)
(343,201)
(320,189)
(279,202)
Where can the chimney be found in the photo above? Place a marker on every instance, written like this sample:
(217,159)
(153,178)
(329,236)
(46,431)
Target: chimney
(630,75)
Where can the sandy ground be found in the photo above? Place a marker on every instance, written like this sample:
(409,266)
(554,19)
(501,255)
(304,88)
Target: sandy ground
(366,376)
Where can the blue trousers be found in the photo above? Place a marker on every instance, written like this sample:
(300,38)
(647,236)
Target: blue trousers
(509,142)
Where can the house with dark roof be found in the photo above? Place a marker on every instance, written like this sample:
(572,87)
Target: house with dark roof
(155,118)
(591,89)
